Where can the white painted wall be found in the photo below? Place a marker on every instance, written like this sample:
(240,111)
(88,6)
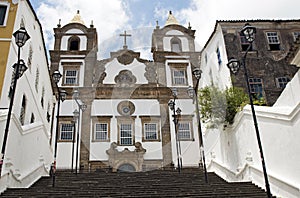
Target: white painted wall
(239,158)
(28,153)
(213,72)
(189,149)
(113,68)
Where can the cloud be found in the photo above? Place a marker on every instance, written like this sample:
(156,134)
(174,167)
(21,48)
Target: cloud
(107,16)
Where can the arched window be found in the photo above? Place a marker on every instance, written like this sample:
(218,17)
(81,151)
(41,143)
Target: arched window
(176,45)
(23,110)
(74,42)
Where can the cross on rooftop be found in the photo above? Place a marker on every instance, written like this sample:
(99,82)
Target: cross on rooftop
(125,35)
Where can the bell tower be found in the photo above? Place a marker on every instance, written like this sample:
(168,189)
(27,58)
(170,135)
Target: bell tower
(174,46)
(75,52)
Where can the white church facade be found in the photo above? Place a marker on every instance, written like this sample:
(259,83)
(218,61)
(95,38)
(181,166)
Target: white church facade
(127,122)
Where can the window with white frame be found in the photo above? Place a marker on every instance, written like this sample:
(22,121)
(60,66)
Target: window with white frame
(256,88)
(71,77)
(101,128)
(101,131)
(126,134)
(184,128)
(179,76)
(281,82)
(66,131)
(3,14)
(184,131)
(273,40)
(178,73)
(151,128)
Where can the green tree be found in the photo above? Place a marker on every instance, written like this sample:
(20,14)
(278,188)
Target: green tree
(217,106)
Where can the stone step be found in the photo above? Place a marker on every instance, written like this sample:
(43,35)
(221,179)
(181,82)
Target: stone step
(158,183)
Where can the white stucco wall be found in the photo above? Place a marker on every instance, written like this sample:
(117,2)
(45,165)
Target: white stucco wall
(278,127)
(113,68)
(189,149)
(213,72)
(28,152)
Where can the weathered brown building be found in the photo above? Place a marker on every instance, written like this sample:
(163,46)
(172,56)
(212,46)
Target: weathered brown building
(268,70)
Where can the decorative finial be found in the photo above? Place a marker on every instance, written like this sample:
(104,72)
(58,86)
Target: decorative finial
(92,24)
(190,26)
(59,21)
(157,26)
(170,12)
(78,12)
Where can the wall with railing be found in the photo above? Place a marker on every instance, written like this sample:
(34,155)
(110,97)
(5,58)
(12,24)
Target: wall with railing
(28,154)
(232,152)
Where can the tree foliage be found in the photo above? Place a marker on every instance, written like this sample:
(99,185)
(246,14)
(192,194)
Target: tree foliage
(217,106)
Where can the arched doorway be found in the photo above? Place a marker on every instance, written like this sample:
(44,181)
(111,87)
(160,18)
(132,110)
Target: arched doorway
(126,168)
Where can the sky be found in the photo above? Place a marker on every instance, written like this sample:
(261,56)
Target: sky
(138,17)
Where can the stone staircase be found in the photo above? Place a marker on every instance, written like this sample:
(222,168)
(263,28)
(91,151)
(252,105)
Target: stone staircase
(157,183)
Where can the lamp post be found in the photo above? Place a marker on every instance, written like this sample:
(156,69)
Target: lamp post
(82,107)
(172,106)
(234,65)
(75,118)
(61,97)
(193,93)
(21,36)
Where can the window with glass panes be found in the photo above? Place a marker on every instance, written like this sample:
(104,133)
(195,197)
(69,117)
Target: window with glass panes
(273,40)
(101,131)
(126,134)
(179,76)
(184,130)
(3,10)
(66,131)
(150,130)
(256,87)
(282,82)
(296,35)
(71,77)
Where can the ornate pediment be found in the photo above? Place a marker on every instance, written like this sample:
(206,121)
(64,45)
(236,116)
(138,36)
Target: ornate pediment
(125,78)
(125,56)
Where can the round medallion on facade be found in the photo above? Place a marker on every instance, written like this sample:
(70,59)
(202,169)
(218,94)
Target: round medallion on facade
(126,108)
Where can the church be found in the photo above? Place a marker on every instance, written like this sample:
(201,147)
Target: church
(132,114)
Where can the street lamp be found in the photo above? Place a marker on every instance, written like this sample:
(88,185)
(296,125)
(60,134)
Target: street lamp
(193,93)
(82,107)
(75,118)
(61,97)
(21,36)
(172,106)
(234,65)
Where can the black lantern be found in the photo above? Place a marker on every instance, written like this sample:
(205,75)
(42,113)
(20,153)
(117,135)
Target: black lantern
(190,92)
(249,32)
(197,73)
(21,36)
(22,68)
(234,65)
(63,95)
(171,104)
(174,92)
(56,76)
